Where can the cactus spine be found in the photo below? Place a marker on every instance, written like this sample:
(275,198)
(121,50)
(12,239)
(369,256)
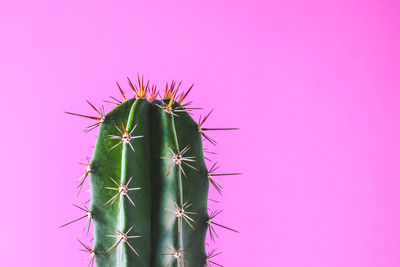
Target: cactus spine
(149,184)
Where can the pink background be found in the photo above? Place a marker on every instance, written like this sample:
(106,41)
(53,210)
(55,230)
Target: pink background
(313,85)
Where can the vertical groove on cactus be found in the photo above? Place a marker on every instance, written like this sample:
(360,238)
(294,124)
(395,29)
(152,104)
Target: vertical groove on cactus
(149,183)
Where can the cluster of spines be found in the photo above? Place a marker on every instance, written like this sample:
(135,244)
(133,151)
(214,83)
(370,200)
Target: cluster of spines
(141,91)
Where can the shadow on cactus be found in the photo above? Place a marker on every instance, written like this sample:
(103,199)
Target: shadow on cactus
(149,183)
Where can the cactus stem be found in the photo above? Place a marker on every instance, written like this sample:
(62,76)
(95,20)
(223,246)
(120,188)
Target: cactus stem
(179,159)
(88,215)
(178,256)
(165,135)
(85,175)
(123,190)
(180,212)
(122,238)
(91,251)
(125,138)
(211,255)
(211,229)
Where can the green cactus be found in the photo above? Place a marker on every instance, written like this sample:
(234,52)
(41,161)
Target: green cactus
(149,183)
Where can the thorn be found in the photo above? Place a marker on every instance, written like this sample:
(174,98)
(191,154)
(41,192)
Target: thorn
(201,129)
(211,255)
(177,255)
(210,224)
(85,175)
(122,92)
(219,129)
(123,190)
(184,95)
(140,90)
(208,159)
(153,93)
(178,159)
(88,215)
(125,138)
(122,238)
(99,119)
(201,122)
(117,102)
(182,213)
(209,152)
(84,116)
(170,110)
(170,91)
(171,101)
(100,113)
(91,251)
(211,173)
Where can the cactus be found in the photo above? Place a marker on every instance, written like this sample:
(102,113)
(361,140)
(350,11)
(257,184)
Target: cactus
(149,183)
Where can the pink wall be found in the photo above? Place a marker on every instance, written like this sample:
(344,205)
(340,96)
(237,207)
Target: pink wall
(313,85)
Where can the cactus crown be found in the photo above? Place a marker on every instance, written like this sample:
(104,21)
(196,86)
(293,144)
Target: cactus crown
(149,182)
